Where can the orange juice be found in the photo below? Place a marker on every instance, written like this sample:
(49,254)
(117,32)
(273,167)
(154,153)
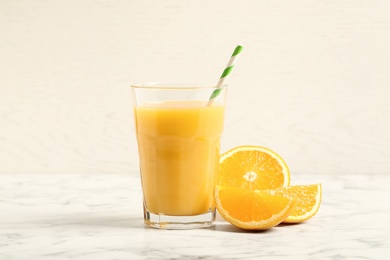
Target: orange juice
(178,143)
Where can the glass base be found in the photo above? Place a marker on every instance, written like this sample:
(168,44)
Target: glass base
(162,221)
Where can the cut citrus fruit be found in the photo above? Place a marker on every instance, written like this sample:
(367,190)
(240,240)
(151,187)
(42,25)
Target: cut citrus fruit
(252,209)
(252,168)
(308,200)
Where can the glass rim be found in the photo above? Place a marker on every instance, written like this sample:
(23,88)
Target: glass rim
(176,85)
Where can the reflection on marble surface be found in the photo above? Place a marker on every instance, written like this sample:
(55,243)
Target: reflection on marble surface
(100,217)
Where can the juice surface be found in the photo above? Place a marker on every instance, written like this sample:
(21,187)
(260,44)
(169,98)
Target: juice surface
(178,143)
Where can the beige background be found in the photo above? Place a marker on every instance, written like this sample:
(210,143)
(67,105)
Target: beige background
(312,82)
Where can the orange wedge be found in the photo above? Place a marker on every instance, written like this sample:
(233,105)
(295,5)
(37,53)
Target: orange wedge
(253,168)
(251,209)
(308,200)
(253,191)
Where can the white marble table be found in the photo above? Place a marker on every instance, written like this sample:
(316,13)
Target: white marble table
(87,216)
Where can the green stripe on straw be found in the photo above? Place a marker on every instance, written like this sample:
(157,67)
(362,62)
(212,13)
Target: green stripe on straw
(237,50)
(225,73)
(215,94)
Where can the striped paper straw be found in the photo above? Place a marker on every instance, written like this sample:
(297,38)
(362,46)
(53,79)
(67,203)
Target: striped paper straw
(225,73)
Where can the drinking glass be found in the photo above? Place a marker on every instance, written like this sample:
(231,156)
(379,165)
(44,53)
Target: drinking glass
(178,134)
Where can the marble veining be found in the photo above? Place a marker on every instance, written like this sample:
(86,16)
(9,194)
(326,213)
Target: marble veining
(84,216)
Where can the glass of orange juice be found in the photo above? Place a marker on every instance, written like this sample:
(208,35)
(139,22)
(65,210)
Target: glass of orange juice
(178,133)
